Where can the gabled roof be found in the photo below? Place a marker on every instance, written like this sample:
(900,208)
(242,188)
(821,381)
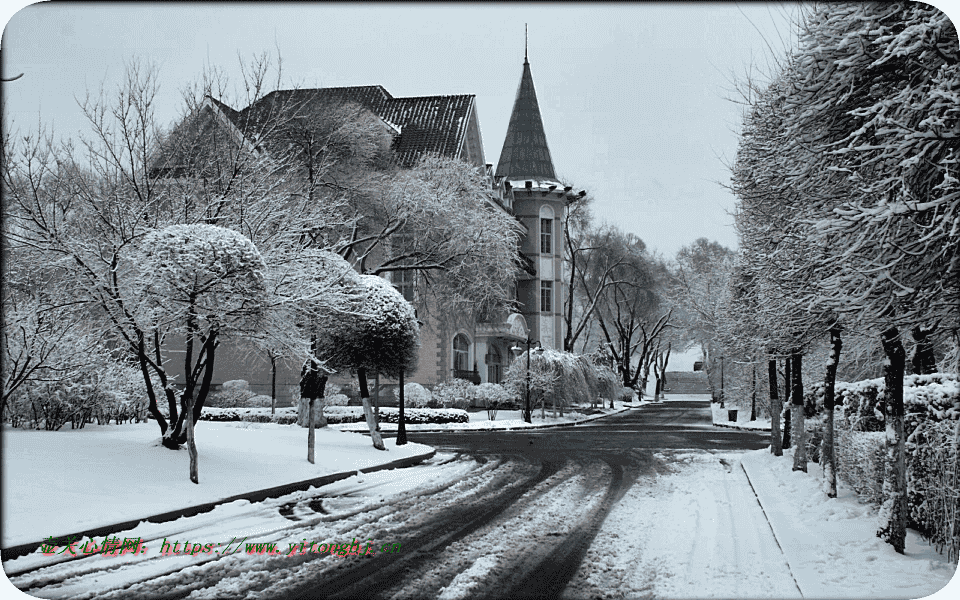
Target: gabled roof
(525,153)
(426,123)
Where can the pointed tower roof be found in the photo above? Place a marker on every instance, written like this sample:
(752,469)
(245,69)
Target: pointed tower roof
(525,153)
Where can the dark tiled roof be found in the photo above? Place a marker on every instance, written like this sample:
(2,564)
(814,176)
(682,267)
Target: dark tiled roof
(525,153)
(427,123)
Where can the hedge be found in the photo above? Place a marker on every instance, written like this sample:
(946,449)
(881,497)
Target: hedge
(932,430)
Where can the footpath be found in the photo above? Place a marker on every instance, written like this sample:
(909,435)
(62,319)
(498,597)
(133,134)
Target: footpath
(830,544)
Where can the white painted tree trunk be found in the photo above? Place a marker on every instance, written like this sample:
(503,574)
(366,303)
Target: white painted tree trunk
(799,439)
(311,434)
(192,444)
(303,410)
(892,520)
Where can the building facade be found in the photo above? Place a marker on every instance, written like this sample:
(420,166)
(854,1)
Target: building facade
(523,185)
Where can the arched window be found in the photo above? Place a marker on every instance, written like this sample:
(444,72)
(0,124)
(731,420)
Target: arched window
(494,362)
(461,353)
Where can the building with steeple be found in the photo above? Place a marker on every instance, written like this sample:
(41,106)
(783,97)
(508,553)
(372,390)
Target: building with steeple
(527,181)
(524,185)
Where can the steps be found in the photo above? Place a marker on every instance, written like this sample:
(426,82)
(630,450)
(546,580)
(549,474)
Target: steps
(686,382)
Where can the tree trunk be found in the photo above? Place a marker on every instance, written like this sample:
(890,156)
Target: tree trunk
(376,399)
(368,410)
(827,455)
(893,512)
(924,362)
(788,391)
(753,396)
(401,425)
(311,434)
(796,401)
(153,408)
(192,443)
(775,409)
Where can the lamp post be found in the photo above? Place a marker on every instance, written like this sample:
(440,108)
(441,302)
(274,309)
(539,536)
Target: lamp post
(721,381)
(527,411)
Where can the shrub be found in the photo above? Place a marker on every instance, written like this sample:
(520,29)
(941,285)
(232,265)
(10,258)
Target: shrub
(562,377)
(453,394)
(860,462)
(283,416)
(335,400)
(415,396)
(493,397)
(232,394)
(933,467)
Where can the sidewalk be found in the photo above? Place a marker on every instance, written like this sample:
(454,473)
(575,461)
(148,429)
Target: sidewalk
(831,544)
(721,418)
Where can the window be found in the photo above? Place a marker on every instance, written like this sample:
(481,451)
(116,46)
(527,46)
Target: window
(461,353)
(401,244)
(403,281)
(546,236)
(546,296)
(494,364)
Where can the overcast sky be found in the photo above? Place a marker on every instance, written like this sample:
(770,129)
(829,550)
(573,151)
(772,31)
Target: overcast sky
(635,98)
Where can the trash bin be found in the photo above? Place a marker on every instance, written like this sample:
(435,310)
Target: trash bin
(732,416)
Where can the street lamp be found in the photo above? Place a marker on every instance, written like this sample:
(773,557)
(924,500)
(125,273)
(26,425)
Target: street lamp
(527,410)
(721,381)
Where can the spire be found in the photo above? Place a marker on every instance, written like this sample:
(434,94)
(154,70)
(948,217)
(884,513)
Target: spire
(525,44)
(525,154)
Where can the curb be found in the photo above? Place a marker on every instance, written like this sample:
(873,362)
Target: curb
(772,528)
(253,496)
(729,426)
(546,426)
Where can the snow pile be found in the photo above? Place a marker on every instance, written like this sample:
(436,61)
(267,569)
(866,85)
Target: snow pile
(57,483)
(831,544)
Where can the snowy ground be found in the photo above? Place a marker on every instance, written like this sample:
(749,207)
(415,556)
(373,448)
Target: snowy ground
(831,543)
(721,417)
(700,532)
(695,529)
(505,419)
(60,482)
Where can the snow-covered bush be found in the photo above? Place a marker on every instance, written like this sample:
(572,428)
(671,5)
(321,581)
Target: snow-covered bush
(412,416)
(416,416)
(930,424)
(415,396)
(562,377)
(232,394)
(493,397)
(453,394)
(102,388)
(860,462)
(933,467)
(488,393)
(283,416)
(335,400)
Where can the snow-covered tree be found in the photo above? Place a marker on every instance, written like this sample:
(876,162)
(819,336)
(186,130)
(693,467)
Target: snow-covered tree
(436,224)
(200,282)
(698,291)
(381,335)
(625,285)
